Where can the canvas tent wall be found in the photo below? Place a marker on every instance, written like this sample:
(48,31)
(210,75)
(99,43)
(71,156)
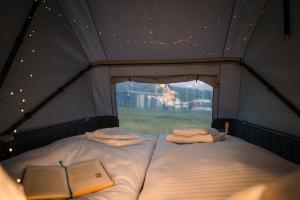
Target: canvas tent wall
(274,57)
(65,37)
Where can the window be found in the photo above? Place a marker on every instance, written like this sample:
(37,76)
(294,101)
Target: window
(159,108)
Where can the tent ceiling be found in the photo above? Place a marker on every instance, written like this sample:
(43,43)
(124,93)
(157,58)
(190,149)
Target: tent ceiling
(140,29)
(143,29)
(181,29)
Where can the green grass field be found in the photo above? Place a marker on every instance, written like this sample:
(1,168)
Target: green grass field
(155,122)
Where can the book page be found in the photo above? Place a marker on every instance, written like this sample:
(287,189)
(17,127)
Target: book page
(88,177)
(45,182)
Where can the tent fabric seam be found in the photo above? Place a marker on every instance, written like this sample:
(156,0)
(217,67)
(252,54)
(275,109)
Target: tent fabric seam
(254,31)
(73,31)
(229,26)
(99,38)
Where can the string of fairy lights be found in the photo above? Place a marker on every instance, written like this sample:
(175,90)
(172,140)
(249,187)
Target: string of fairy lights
(46,6)
(188,39)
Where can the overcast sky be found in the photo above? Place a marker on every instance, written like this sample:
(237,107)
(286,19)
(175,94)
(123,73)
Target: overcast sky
(193,84)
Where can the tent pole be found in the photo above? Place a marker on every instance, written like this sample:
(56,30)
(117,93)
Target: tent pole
(18,42)
(273,90)
(286,18)
(138,63)
(44,102)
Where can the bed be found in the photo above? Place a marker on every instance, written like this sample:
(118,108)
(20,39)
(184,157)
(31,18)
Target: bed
(209,171)
(126,165)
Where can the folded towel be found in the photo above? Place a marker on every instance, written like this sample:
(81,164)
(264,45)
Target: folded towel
(207,138)
(192,132)
(114,142)
(113,133)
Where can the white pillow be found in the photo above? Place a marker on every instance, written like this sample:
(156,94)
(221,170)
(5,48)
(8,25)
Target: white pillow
(251,193)
(9,189)
(283,188)
(287,188)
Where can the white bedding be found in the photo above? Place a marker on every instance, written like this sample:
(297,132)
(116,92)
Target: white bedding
(126,165)
(209,171)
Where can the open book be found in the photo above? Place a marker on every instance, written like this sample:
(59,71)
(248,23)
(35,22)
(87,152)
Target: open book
(58,182)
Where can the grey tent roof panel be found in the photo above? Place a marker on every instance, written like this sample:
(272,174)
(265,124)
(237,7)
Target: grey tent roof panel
(140,29)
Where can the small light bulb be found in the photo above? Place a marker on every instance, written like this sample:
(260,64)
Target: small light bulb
(86,26)
(11,93)
(33,50)
(30,35)
(33,31)
(15,130)
(21,90)
(10,149)
(74,20)
(151,32)
(22,110)
(31,75)
(18,180)
(22,60)
(23,100)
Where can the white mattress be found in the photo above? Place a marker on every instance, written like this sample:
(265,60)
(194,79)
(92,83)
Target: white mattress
(209,171)
(126,165)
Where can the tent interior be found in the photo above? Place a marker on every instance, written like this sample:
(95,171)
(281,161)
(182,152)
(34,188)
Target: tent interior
(61,60)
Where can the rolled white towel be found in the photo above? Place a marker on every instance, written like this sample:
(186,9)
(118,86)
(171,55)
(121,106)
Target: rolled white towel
(114,142)
(113,133)
(193,132)
(205,138)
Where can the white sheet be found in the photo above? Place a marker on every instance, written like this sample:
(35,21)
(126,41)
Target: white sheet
(209,171)
(126,165)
